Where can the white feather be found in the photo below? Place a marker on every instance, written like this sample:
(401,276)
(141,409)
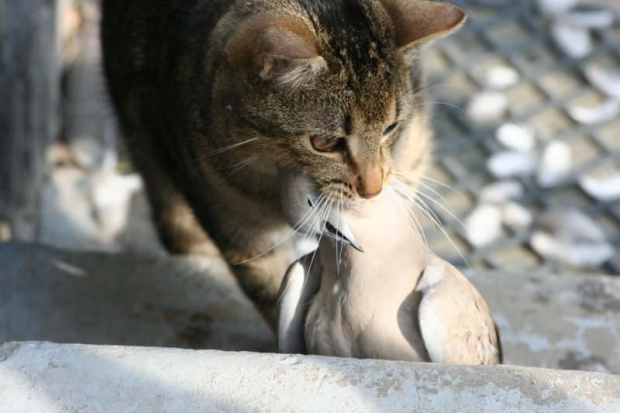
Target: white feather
(288,331)
(432,329)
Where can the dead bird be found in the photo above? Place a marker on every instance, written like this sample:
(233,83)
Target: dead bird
(374,290)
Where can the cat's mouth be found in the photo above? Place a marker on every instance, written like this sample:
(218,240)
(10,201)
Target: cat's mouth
(339,232)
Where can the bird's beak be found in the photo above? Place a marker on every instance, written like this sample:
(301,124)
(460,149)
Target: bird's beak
(342,234)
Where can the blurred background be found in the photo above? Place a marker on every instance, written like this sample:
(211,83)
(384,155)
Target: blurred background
(527,122)
(526,104)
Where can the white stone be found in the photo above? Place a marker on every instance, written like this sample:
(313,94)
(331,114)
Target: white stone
(66,217)
(500,192)
(487,107)
(603,189)
(87,152)
(579,255)
(512,163)
(484,225)
(112,194)
(501,77)
(556,164)
(556,7)
(591,19)
(516,215)
(575,41)
(516,137)
(607,80)
(572,225)
(597,114)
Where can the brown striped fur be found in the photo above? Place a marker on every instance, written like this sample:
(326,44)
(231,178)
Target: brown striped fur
(190,78)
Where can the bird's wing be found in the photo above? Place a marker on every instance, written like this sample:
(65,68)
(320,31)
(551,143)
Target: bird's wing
(455,321)
(298,287)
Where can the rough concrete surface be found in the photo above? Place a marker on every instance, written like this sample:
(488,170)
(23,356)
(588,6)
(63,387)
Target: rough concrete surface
(41,377)
(556,321)
(93,298)
(552,321)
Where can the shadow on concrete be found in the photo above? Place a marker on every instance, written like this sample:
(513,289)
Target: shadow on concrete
(93,298)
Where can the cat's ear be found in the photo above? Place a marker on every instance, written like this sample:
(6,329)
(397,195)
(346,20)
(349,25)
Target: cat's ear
(283,51)
(417,21)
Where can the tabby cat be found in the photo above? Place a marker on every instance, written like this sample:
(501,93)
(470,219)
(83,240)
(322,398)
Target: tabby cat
(214,95)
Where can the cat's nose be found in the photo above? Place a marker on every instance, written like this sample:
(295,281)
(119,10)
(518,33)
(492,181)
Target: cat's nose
(370,195)
(370,185)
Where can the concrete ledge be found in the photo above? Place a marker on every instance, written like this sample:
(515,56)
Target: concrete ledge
(547,320)
(43,377)
(93,298)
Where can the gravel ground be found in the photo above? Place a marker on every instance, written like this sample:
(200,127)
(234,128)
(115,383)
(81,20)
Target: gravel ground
(507,66)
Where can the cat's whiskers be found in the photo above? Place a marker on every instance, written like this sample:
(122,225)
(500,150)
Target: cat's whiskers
(323,218)
(240,165)
(414,223)
(439,204)
(316,213)
(438,183)
(410,194)
(424,90)
(342,246)
(428,103)
(443,205)
(310,214)
(226,149)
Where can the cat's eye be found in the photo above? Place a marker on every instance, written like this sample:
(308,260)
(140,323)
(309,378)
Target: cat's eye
(390,129)
(325,143)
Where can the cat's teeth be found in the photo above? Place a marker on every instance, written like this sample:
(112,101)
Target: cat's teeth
(517,137)
(556,164)
(516,215)
(487,107)
(484,225)
(595,115)
(580,255)
(501,192)
(606,189)
(501,77)
(576,42)
(512,163)
(607,80)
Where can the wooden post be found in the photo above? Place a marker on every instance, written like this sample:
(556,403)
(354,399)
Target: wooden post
(29,94)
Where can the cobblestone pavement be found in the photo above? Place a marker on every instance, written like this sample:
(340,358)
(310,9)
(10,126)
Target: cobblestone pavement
(517,35)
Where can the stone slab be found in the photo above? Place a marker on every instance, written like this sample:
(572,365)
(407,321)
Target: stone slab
(43,377)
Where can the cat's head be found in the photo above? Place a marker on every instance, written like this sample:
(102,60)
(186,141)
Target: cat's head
(328,86)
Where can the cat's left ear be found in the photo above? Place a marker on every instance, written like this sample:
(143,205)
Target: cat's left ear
(418,21)
(281,50)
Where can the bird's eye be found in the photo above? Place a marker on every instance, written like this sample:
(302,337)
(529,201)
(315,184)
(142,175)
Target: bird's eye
(324,143)
(390,129)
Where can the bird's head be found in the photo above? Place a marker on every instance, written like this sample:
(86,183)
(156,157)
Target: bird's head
(308,211)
